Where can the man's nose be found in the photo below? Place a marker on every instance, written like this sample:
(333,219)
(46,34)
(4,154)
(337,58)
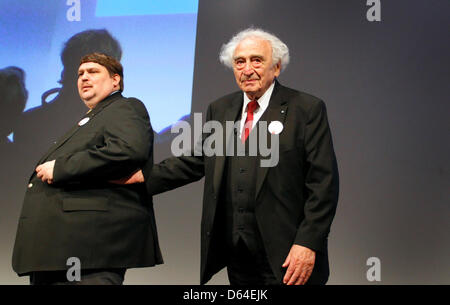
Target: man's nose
(248,69)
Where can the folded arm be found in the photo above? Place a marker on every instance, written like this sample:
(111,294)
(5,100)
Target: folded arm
(127,142)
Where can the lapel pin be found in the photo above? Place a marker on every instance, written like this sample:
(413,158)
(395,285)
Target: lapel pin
(275,127)
(83,121)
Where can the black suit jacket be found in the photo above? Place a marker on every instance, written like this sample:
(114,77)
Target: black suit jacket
(295,200)
(80,215)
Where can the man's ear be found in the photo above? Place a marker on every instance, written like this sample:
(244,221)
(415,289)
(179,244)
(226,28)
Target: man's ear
(277,68)
(116,80)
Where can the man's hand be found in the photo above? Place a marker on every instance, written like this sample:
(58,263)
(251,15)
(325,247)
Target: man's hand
(136,177)
(45,171)
(300,264)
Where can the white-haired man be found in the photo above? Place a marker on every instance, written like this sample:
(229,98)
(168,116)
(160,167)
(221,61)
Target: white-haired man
(267,225)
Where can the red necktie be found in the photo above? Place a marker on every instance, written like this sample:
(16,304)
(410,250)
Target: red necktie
(251,107)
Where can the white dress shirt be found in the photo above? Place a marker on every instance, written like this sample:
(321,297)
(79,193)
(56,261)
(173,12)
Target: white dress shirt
(263,102)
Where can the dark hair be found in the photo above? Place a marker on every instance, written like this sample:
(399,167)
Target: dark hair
(83,43)
(110,63)
(13,97)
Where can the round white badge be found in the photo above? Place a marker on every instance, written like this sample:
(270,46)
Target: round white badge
(83,121)
(275,127)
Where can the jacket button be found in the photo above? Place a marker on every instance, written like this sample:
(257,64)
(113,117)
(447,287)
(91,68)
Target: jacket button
(208,233)
(30,185)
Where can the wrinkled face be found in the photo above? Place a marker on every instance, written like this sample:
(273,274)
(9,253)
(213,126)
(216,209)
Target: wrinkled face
(95,83)
(253,67)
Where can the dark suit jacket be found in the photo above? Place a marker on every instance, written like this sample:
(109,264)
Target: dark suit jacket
(295,200)
(80,215)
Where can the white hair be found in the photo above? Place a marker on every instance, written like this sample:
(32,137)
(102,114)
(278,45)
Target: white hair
(280,51)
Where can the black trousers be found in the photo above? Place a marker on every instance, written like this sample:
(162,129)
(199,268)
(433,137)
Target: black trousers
(246,267)
(88,277)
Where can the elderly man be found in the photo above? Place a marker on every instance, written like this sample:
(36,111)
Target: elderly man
(69,216)
(267,225)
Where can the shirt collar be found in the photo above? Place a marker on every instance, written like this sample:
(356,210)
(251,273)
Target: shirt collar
(263,101)
(89,111)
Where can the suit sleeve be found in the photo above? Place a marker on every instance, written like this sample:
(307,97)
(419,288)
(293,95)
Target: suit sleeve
(127,143)
(176,171)
(321,181)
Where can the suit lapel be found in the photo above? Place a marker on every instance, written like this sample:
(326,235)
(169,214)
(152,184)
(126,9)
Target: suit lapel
(230,115)
(276,111)
(77,127)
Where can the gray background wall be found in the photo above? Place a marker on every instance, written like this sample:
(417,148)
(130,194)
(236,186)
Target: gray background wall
(385,85)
